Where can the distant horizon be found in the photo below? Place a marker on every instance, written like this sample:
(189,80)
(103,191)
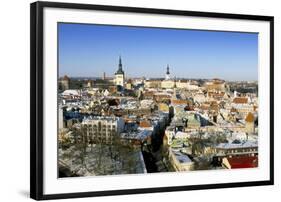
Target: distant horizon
(89,50)
(112,77)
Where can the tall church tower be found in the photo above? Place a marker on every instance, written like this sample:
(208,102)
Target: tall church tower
(168,73)
(119,75)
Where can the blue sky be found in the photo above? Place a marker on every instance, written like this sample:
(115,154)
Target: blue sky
(89,50)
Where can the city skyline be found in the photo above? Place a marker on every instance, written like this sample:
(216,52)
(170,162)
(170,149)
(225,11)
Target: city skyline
(89,50)
(122,125)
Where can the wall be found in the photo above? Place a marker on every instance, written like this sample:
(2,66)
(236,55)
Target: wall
(14,102)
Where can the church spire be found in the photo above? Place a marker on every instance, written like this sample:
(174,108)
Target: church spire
(168,69)
(168,72)
(120,63)
(120,70)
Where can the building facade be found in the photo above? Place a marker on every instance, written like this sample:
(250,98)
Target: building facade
(103,129)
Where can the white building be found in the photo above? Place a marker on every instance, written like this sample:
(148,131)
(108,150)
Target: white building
(180,161)
(199,97)
(186,85)
(102,129)
(60,117)
(243,106)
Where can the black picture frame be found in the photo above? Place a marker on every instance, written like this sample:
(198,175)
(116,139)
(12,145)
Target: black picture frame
(36,98)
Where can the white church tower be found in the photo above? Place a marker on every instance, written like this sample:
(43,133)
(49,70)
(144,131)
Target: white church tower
(119,75)
(168,73)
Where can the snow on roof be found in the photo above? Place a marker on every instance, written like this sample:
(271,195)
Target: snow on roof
(140,135)
(96,118)
(180,134)
(70,92)
(246,144)
(182,158)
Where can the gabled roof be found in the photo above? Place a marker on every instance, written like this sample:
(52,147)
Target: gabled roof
(250,117)
(240,100)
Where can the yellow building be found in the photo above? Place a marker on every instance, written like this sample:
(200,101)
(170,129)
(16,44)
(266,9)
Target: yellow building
(250,123)
(163,107)
(154,83)
(129,84)
(215,84)
(167,84)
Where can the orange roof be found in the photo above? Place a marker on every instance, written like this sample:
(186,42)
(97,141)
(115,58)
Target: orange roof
(178,102)
(240,100)
(145,124)
(250,117)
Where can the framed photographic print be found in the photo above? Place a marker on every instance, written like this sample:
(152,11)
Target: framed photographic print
(131,100)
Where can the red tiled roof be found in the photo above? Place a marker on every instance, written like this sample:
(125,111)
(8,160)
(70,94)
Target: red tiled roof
(178,102)
(145,124)
(243,162)
(240,100)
